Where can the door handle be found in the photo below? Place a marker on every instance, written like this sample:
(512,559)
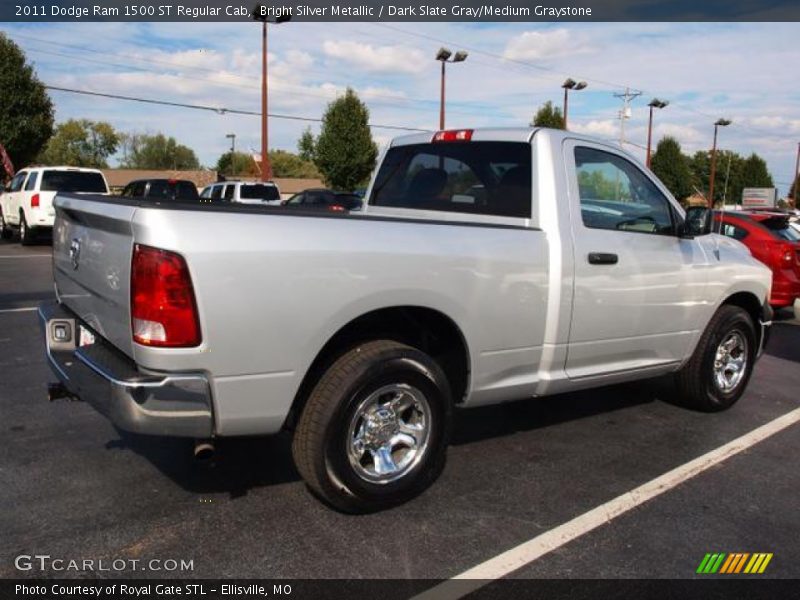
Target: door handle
(603,258)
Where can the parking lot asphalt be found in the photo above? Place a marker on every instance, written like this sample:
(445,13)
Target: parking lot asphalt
(75,487)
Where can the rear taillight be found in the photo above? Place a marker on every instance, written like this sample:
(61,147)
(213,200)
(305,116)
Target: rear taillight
(336,208)
(787,255)
(163,308)
(35,201)
(453,135)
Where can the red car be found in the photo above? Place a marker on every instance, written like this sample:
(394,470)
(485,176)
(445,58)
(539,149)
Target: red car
(774,242)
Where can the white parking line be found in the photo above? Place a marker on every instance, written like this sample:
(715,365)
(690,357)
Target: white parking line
(26,256)
(527,552)
(14,310)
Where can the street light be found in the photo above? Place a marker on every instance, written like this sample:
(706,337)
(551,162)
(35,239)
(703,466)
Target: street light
(261,13)
(570,84)
(654,103)
(445,56)
(717,125)
(232,138)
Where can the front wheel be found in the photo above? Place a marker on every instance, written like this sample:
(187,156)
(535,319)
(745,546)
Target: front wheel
(717,373)
(5,230)
(374,431)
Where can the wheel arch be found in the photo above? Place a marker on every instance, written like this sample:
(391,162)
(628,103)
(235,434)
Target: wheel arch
(424,328)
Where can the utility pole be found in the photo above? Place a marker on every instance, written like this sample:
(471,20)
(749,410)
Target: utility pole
(232,138)
(625,112)
(797,177)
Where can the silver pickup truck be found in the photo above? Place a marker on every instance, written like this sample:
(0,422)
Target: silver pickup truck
(488,265)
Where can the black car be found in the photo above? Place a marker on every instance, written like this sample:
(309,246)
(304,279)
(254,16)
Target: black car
(323,199)
(162,189)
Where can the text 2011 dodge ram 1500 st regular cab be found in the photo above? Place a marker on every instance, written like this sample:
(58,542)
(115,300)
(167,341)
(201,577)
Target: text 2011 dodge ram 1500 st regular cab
(488,266)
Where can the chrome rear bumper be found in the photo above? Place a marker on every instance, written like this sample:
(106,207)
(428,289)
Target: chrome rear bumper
(171,404)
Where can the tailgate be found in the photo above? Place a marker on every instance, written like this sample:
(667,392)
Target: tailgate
(92,247)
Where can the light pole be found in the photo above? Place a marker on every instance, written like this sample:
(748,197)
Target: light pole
(232,138)
(260,13)
(717,125)
(444,56)
(570,84)
(654,103)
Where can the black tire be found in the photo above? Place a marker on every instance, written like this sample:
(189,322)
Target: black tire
(5,230)
(696,381)
(25,234)
(323,434)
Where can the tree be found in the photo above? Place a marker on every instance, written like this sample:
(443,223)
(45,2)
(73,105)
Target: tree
(548,116)
(346,153)
(728,182)
(238,163)
(26,112)
(287,164)
(671,166)
(795,187)
(307,146)
(144,151)
(755,172)
(81,143)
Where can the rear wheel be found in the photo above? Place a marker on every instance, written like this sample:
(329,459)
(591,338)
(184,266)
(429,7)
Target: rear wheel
(25,235)
(374,431)
(717,374)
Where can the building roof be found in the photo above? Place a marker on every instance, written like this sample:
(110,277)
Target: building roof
(119,178)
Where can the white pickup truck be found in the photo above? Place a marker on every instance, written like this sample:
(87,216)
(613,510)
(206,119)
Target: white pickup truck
(27,205)
(487,266)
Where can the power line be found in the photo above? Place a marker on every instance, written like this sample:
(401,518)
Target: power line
(217,109)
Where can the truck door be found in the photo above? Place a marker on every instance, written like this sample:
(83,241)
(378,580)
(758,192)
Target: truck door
(638,290)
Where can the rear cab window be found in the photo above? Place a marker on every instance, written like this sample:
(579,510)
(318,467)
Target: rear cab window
(73,181)
(484,178)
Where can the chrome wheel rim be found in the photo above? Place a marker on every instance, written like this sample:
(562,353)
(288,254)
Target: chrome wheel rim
(23,229)
(389,433)
(730,362)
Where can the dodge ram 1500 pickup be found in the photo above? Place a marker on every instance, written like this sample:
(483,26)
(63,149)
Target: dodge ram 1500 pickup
(488,265)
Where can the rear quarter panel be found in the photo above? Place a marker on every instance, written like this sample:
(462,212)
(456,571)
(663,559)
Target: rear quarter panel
(272,290)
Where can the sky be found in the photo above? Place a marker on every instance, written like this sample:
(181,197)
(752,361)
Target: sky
(746,72)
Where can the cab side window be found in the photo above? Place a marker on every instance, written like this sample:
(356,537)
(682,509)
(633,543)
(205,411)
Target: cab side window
(615,194)
(31,184)
(216,192)
(228,193)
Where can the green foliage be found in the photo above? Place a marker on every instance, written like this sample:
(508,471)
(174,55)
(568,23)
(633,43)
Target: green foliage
(733,174)
(755,172)
(287,164)
(307,146)
(671,166)
(237,164)
(599,187)
(345,152)
(26,112)
(81,143)
(144,151)
(548,116)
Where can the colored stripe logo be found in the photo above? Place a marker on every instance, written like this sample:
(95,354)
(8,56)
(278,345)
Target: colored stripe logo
(734,563)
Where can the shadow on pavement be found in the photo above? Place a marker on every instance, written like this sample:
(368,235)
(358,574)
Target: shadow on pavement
(241,464)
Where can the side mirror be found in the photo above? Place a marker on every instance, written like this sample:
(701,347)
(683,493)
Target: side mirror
(698,222)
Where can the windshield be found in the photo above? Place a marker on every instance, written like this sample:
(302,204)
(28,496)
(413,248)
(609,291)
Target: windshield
(259,192)
(488,178)
(73,181)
